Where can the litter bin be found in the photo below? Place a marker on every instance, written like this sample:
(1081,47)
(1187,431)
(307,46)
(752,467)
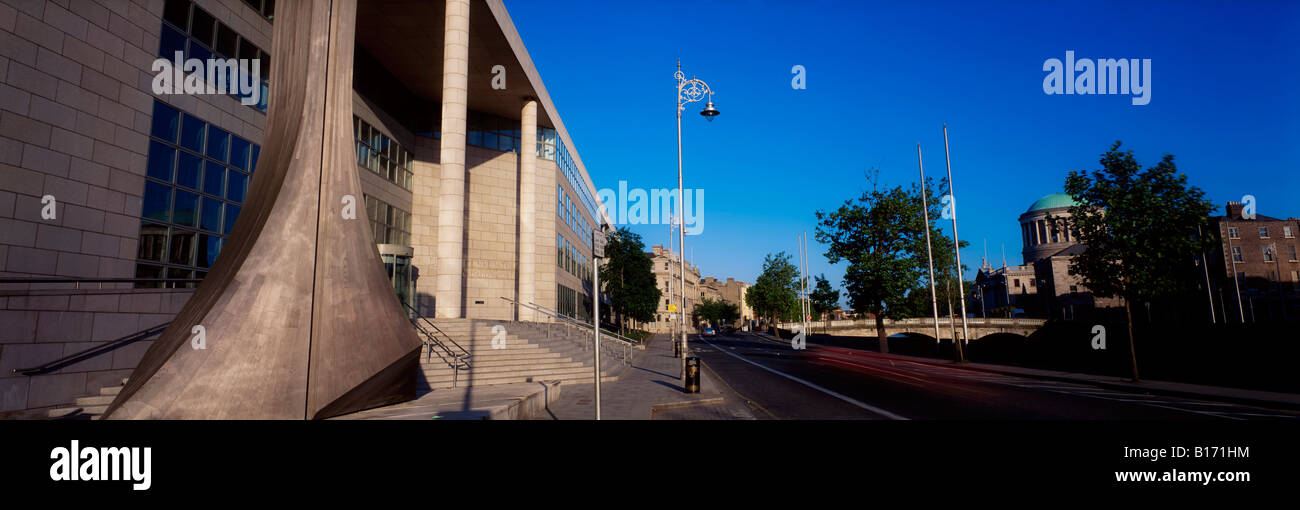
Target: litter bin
(692,375)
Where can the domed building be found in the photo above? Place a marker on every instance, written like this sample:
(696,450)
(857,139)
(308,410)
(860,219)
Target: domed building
(1042,286)
(1040,239)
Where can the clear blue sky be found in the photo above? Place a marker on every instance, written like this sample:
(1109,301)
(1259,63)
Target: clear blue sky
(883,77)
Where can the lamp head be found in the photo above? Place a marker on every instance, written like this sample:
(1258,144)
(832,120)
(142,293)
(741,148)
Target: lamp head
(709,112)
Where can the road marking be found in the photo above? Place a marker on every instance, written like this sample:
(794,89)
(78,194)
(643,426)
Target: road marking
(868,407)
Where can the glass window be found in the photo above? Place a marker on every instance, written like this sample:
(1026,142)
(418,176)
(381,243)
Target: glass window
(182,247)
(1263,232)
(192,131)
(1287,232)
(211,219)
(1236,254)
(214,179)
(232,212)
(153,242)
(177,12)
(1232,233)
(208,248)
(157,201)
(236,187)
(186,209)
(1293,257)
(199,52)
(218,143)
(203,27)
(162,161)
(239,150)
(169,42)
(187,171)
(227,41)
(165,121)
(1268,254)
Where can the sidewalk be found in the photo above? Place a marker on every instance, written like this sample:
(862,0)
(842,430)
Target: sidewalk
(1236,395)
(650,388)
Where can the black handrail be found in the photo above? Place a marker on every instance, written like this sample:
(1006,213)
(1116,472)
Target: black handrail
(92,352)
(462,358)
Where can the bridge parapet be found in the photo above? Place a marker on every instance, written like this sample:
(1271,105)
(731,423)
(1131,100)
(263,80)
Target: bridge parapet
(979,327)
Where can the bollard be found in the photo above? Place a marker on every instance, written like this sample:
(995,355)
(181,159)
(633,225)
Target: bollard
(677,347)
(692,375)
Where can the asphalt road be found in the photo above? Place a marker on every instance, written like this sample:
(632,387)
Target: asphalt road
(817,383)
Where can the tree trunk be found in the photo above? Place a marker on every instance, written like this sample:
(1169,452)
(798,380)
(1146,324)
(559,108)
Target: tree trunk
(1132,352)
(880,333)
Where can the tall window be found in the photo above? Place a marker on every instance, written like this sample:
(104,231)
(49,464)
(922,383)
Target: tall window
(389,224)
(1233,233)
(1263,232)
(1236,254)
(1287,232)
(1268,254)
(196,179)
(1291,249)
(190,30)
(381,154)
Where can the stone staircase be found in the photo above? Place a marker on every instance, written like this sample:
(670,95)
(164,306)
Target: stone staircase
(534,351)
(88,407)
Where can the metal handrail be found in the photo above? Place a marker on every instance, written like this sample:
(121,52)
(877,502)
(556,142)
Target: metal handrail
(458,360)
(627,344)
(92,352)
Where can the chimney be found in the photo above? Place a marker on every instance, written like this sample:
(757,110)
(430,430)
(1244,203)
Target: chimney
(1234,210)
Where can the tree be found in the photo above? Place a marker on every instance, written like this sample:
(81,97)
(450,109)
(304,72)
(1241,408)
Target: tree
(823,297)
(882,237)
(628,278)
(1138,226)
(775,292)
(716,312)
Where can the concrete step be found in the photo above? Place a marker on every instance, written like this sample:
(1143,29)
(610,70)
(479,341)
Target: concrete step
(492,372)
(87,411)
(504,354)
(518,362)
(110,390)
(96,400)
(523,367)
(563,379)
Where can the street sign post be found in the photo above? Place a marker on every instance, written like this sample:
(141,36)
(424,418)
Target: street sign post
(597,251)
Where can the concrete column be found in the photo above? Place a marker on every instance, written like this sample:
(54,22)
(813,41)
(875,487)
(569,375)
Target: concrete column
(527,208)
(451,191)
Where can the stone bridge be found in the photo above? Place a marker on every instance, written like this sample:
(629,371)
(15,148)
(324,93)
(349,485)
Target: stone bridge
(978,328)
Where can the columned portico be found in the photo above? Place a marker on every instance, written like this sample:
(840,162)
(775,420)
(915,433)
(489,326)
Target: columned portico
(527,208)
(451,195)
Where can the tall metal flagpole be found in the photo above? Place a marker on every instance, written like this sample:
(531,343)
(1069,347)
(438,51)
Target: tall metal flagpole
(807,297)
(1208,294)
(956,246)
(925,214)
(1241,311)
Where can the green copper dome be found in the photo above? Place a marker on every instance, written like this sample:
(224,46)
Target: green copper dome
(1053,201)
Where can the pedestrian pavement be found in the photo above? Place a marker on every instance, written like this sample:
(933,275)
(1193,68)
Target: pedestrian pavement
(1238,395)
(651,388)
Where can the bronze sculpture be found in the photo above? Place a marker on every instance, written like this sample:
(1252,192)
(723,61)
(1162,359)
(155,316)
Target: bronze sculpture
(299,320)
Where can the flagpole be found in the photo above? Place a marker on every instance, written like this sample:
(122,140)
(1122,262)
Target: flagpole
(925,214)
(956,246)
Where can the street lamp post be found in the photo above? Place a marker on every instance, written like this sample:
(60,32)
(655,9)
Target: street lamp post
(688,91)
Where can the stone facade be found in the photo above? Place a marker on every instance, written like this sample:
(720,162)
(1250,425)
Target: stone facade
(76,108)
(667,270)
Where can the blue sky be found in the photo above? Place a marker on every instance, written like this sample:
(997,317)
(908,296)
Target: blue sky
(882,77)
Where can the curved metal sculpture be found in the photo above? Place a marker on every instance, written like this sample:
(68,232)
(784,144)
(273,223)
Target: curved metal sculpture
(298,317)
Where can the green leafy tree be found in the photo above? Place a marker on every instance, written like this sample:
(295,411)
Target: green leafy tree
(628,278)
(823,298)
(882,237)
(775,293)
(716,312)
(1139,225)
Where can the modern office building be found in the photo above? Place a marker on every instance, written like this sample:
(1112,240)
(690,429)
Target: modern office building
(133,194)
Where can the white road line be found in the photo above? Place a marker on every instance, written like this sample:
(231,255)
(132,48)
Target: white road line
(868,407)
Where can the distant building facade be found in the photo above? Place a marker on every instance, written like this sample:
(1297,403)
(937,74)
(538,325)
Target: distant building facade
(1042,286)
(1261,252)
(667,269)
(731,291)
